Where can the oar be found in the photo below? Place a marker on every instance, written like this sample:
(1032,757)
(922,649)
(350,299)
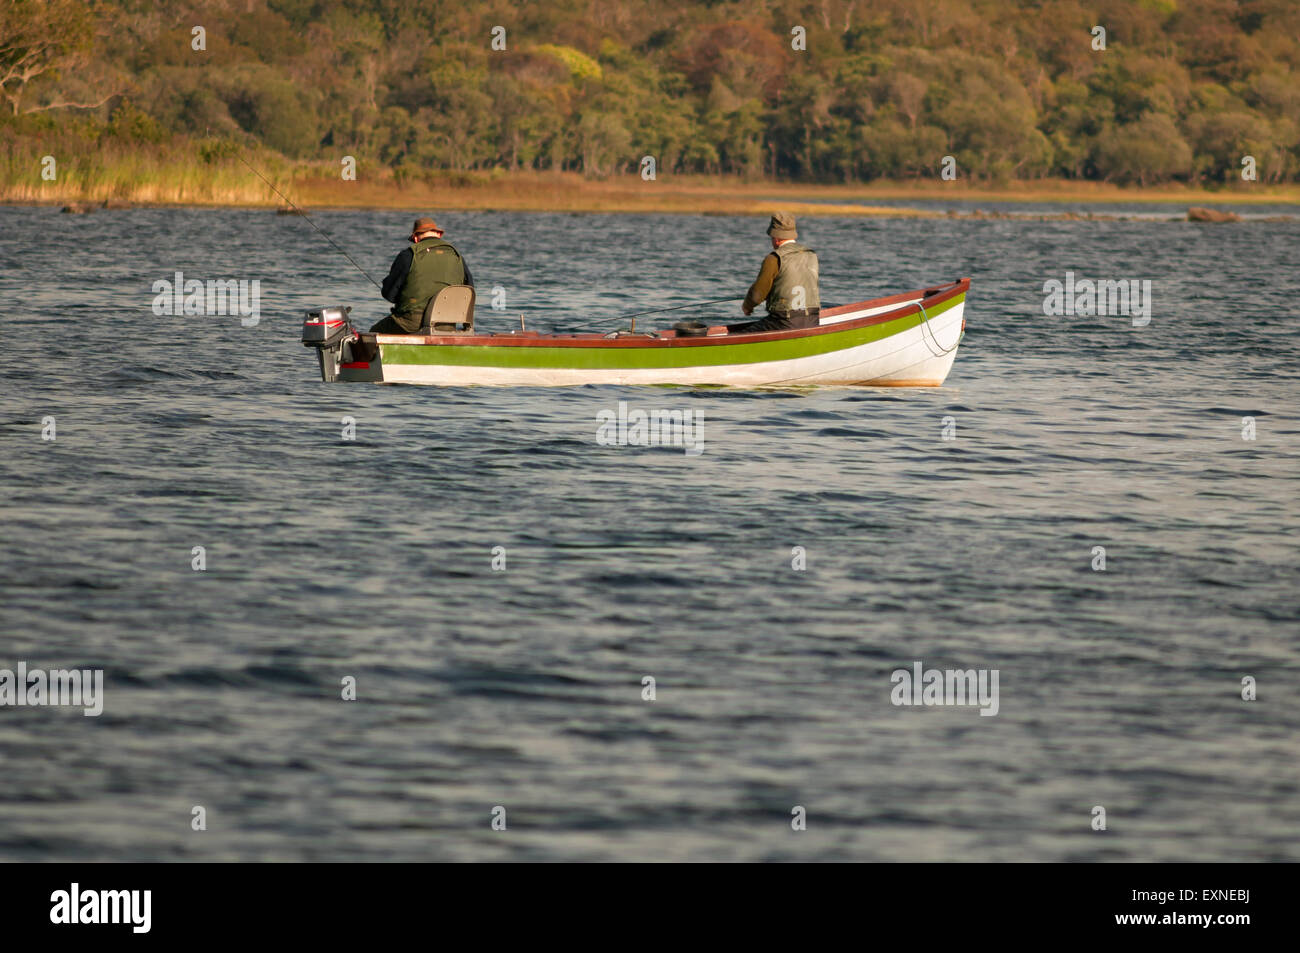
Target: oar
(637,314)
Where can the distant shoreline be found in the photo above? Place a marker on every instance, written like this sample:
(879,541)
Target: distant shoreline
(570,192)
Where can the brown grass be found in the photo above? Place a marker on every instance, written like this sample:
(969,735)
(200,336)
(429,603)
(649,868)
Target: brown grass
(310,186)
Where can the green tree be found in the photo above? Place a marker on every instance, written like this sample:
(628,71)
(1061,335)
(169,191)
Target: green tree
(40,42)
(1147,150)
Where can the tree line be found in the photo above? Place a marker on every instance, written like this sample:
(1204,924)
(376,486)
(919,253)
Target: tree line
(1128,91)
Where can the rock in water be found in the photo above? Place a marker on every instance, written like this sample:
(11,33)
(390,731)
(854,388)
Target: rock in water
(1211,215)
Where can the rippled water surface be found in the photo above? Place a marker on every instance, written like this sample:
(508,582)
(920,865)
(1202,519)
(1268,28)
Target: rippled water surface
(371,558)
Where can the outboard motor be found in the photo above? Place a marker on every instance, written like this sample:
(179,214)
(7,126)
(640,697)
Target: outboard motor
(329,331)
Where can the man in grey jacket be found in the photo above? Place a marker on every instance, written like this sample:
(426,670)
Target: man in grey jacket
(787,283)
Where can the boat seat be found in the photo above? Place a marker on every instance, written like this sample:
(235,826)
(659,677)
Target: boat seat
(450,311)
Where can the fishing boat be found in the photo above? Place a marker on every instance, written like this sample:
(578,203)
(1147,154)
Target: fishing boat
(905,340)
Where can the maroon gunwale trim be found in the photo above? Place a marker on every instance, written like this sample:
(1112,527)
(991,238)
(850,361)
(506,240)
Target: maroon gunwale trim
(936,294)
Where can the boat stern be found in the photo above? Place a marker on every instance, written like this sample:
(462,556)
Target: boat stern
(343,352)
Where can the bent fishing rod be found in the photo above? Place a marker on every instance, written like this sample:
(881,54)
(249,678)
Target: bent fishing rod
(240,157)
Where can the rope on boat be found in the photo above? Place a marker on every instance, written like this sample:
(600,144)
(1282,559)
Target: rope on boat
(925,322)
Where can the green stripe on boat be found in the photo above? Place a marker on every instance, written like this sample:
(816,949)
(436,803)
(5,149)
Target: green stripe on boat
(620,358)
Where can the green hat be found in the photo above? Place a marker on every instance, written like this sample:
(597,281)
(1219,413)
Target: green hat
(782,226)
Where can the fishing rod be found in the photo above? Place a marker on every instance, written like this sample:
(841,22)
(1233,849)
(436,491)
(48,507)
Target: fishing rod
(618,317)
(637,314)
(308,218)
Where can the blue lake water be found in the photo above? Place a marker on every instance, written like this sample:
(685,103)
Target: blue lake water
(371,559)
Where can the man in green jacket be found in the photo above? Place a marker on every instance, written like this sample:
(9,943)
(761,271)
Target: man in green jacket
(419,272)
(787,282)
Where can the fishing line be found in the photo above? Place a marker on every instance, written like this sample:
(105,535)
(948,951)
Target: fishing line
(309,221)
